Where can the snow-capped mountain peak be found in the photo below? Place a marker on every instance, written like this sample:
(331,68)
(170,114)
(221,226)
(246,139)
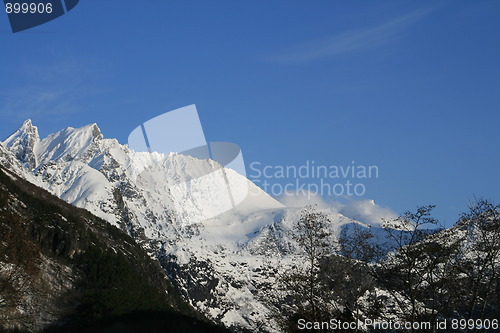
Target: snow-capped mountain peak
(23,143)
(68,143)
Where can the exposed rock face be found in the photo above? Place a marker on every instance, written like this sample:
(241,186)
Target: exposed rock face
(23,144)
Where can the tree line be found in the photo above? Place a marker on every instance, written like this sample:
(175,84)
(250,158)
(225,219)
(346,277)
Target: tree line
(432,274)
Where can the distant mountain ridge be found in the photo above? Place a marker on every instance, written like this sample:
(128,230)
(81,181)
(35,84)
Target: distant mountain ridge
(216,265)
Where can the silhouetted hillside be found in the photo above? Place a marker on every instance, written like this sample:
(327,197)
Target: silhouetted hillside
(60,266)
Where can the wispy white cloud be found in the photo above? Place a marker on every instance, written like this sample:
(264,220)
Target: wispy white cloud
(45,90)
(301,199)
(351,40)
(27,102)
(366,211)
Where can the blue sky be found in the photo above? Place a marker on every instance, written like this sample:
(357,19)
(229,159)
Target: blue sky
(410,86)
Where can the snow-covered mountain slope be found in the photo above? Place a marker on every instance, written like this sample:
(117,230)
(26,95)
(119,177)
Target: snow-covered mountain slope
(217,264)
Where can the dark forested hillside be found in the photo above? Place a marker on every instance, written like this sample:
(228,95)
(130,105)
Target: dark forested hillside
(61,268)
